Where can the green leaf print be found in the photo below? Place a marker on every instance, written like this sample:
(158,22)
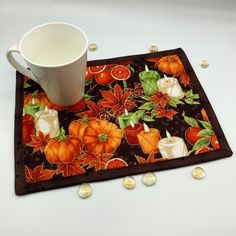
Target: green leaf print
(191,121)
(147,106)
(205,124)
(203,142)
(205,133)
(147,118)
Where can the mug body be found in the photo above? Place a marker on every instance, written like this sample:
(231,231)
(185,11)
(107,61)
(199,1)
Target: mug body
(56,53)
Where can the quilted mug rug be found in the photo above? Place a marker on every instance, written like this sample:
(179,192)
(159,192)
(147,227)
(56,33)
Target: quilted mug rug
(139,113)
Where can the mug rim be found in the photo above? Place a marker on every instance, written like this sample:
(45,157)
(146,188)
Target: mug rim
(54,23)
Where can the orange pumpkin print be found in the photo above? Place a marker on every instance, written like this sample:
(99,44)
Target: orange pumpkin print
(77,127)
(102,136)
(63,149)
(39,97)
(170,65)
(27,128)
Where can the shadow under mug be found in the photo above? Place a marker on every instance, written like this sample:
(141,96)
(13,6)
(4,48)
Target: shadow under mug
(56,54)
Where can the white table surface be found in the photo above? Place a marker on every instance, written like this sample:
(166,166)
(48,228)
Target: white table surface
(177,205)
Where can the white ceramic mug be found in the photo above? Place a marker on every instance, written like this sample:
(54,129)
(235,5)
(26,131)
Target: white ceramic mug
(56,54)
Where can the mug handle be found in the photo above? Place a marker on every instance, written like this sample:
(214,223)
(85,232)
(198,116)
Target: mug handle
(17,65)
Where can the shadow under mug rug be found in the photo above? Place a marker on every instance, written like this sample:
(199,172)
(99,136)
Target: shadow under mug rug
(139,113)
